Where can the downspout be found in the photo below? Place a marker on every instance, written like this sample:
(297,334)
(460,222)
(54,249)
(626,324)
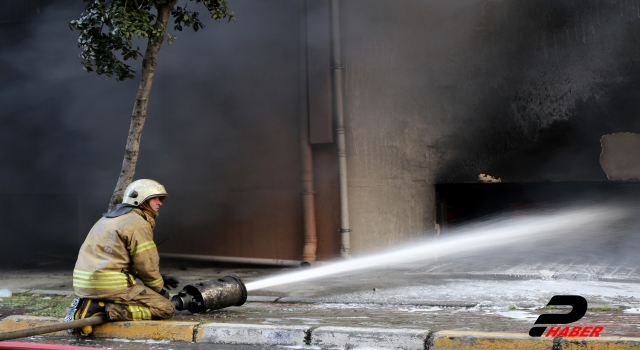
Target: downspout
(336,74)
(308,206)
(230,259)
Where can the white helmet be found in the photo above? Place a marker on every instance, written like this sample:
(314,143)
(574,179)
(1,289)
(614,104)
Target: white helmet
(140,190)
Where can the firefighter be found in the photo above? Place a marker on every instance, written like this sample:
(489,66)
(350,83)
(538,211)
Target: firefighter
(118,250)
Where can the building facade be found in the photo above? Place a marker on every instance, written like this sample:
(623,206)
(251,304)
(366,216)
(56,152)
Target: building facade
(439,99)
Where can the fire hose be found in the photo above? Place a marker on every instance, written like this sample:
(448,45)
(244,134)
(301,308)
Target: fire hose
(207,295)
(53,327)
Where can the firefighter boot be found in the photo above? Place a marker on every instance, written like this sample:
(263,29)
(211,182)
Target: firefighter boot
(89,308)
(73,308)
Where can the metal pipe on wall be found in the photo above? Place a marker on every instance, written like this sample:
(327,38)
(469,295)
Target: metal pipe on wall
(308,200)
(231,260)
(338,105)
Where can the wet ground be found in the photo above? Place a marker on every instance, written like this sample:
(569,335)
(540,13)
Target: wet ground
(436,295)
(148,345)
(495,319)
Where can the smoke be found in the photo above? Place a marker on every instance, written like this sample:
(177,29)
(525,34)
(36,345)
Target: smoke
(556,71)
(436,92)
(519,90)
(221,98)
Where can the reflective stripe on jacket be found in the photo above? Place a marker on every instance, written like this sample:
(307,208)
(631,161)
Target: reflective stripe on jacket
(116,252)
(106,279)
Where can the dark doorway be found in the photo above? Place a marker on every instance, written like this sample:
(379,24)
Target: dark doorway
(460,203)
(616,243)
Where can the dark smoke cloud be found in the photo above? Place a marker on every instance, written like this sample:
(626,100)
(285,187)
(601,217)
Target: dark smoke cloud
(520,90)
(219,98)
(554,73)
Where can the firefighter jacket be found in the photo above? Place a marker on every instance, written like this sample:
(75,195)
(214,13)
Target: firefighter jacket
(116,251)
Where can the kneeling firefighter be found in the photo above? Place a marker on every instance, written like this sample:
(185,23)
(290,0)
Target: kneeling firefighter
(118,250)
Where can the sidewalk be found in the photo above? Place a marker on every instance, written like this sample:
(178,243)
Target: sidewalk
(341,311)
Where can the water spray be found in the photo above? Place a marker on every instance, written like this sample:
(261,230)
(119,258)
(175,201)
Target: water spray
(491,234)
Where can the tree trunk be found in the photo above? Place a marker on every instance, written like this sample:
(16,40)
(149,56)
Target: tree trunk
(139,114)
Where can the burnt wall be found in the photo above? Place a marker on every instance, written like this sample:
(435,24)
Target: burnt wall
(440,92)
(520,89)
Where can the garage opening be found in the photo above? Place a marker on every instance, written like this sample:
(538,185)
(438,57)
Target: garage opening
(458,204)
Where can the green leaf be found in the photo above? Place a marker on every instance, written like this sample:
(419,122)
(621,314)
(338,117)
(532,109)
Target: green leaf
(106,29)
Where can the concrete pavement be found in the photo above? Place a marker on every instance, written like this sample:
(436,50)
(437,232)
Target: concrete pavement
(325,337)
(390,308)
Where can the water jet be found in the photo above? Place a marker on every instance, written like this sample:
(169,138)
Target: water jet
(515,230)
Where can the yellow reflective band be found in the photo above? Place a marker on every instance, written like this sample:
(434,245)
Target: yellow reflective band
(139,313)
(99,279)
(142,247)
(134,313)
(86,308)
(146,313)
(154,283)
(100,283)
(98,272)
(90,274)
(100,286)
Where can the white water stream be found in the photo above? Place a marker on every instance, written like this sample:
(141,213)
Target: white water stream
(568,225)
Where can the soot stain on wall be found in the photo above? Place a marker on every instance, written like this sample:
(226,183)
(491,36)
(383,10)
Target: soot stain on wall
(554,76)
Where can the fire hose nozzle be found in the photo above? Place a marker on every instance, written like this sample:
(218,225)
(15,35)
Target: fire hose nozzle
(211,295)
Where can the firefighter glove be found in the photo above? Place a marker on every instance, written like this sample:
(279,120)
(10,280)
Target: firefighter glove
(164,293)
(170,281)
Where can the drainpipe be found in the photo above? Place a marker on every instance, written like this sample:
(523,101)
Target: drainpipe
(336,74)
(308,206)
(230,259)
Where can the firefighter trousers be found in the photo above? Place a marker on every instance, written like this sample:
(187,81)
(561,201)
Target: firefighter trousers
(138,303)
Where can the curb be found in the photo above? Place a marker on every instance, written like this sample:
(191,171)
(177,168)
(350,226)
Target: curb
(349,337)
(156,330)
(463,340)
(226,333)
(16,323)
(329,336)
(609,343)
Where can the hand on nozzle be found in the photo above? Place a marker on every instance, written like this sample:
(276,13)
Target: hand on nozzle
(164,293)
(170,281)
